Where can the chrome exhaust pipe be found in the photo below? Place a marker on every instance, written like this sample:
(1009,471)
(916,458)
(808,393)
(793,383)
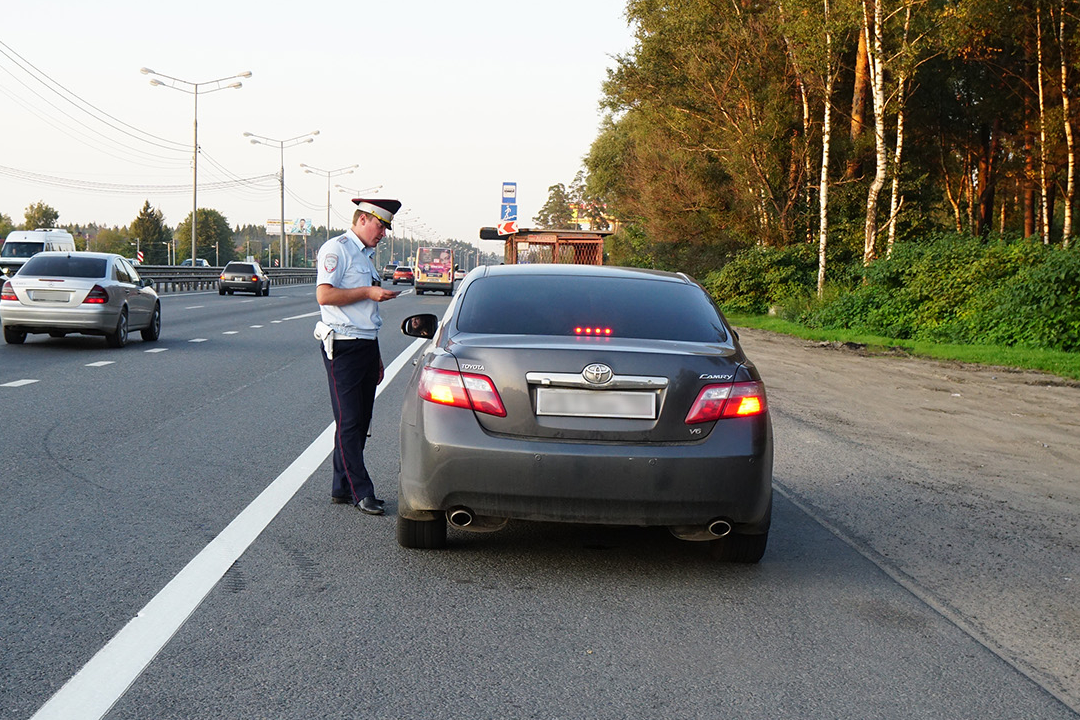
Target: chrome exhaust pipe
(460,517)
(719,528)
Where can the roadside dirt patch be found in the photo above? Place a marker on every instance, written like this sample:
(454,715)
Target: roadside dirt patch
(965,478)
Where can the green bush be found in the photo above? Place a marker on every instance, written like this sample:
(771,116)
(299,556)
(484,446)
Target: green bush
(943,288)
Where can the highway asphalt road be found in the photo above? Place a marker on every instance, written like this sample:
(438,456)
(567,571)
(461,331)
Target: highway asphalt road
(124,483)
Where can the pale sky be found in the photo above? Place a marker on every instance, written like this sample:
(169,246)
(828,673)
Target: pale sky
(437,102)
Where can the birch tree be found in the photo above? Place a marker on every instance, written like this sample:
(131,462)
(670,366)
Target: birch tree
(872,28)
(1043,186)
(1070,178)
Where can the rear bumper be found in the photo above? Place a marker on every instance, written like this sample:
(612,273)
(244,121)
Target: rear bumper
(449,461)
(435,287)
(84,318)
(240,286)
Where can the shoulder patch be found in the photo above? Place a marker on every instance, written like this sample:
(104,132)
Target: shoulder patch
(330,262)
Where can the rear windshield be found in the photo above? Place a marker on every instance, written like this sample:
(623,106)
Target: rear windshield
(240,268)
(65,266)
(17,249)
(583,305)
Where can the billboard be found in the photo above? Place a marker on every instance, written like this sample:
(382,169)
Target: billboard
(299,226)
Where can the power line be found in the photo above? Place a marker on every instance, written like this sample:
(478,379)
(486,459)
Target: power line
(124,189)
(82,104)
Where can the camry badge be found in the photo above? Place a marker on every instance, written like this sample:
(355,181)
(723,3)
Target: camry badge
(597,374)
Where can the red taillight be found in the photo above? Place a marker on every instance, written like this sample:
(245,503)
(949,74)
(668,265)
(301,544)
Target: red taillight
(221,277)
(464,390)
(727,401)
(8,293)
(97,296)
(594,331)
(254,278)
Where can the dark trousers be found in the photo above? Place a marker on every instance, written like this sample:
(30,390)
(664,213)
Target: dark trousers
(353,375)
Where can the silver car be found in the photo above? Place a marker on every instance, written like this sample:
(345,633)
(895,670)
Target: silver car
(79,292)
(585,394)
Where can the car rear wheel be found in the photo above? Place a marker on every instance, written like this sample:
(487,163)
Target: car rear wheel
(424,534)
(221,291)
(118,338)
(151,332)
(266,292)
(739,548)
(13,336)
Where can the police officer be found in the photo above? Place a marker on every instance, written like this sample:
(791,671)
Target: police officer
(349,292)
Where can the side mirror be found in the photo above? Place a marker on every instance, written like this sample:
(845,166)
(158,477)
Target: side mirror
(423,326)
(147,282)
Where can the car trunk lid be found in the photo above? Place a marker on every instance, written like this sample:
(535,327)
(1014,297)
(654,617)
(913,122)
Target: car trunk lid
(595,389)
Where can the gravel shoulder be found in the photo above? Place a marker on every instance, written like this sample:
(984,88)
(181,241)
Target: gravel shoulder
(963,480)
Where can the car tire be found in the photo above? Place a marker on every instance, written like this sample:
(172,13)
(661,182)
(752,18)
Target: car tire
(151,332)
(57,334)
(118,338)
(739,548)
(266,292)
(13,336)
(422,534)
(221,291)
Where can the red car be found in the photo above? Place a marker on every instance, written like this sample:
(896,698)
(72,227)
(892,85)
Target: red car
(403,274)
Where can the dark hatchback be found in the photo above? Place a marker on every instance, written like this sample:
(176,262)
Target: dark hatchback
(243,277)
(585,394)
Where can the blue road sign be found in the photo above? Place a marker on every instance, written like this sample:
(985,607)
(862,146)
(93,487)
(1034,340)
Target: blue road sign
(509,192)
(509,212)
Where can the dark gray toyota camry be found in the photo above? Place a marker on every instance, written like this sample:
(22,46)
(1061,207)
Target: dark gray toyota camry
(585,394)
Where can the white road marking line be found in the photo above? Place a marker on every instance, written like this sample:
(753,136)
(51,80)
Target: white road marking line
(254,326)
(156,350)
(231,332)
(92,691)
(100,363)
(195,307)
(300,317)
(19,383)
(197,340)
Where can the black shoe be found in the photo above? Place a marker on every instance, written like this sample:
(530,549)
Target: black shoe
(342,500)
(371,505)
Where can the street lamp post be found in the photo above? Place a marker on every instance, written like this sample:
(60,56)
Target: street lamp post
(192,88)
(328,174)
(282,144)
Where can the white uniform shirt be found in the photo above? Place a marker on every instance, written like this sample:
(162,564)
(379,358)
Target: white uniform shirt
(344,262)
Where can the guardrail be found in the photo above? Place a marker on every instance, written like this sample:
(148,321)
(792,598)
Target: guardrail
(176,278)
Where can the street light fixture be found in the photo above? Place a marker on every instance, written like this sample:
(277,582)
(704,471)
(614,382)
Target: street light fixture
(357,193)
(329,174)
(192,88)
(282,144)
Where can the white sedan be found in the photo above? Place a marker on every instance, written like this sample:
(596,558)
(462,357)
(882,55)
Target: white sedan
(79,292)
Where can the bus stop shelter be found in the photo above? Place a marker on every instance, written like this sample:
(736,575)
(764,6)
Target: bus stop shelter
(576,247)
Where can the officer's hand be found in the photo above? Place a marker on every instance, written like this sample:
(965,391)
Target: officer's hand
(379,294)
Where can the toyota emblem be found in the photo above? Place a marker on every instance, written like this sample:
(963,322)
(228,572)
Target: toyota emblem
(597,374)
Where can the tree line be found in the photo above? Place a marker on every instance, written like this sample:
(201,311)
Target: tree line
(904,167)
(851,125)
(161,244)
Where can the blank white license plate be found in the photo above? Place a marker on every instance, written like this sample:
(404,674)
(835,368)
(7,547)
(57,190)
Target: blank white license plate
(596,403)
(50,295)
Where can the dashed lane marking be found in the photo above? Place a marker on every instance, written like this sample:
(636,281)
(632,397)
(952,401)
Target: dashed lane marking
(19,383)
